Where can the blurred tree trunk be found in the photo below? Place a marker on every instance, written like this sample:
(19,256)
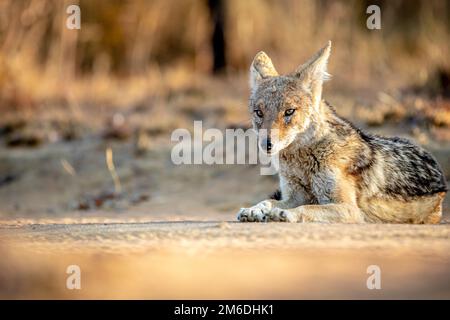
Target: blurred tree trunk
(217,11)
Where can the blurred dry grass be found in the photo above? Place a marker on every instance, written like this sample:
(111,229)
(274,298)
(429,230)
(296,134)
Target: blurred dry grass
(40,59)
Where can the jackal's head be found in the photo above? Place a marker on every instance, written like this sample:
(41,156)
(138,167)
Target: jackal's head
(284,107)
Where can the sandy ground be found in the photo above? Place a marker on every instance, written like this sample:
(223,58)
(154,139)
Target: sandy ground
(180,241)
(170,232)
(217,259)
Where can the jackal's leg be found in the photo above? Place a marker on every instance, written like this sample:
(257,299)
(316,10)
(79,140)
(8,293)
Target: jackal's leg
(327,213)
(260,211)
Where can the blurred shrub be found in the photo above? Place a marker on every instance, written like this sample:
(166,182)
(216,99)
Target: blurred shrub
(152,55)
(125,37)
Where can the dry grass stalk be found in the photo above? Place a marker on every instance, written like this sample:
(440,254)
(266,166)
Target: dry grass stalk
(112,170)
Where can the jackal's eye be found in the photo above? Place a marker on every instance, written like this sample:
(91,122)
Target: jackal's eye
(259,113)
(289,112)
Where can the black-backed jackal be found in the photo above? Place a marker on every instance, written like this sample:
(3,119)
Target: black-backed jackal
(330,171)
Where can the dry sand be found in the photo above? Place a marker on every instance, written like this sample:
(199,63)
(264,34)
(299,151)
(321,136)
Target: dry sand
(217,259)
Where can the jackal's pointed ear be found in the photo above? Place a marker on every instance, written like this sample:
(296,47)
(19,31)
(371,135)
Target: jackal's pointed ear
(261,68)
(314,72)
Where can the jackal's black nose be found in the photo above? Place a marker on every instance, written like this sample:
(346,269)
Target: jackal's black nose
(266,144)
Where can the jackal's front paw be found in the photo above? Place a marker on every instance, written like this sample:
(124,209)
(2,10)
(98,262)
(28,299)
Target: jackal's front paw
(281,215)
(256,213)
